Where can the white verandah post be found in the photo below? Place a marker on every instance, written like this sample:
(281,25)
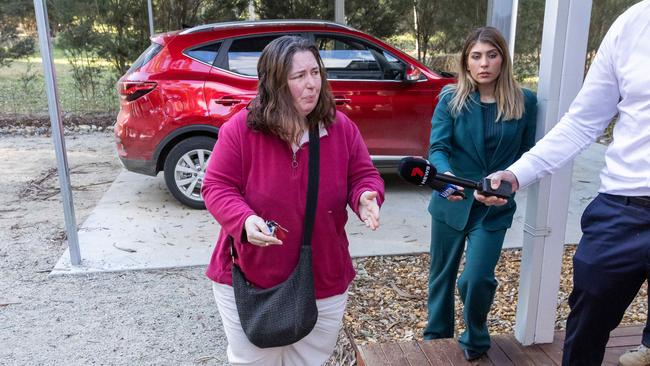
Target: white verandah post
(564,45)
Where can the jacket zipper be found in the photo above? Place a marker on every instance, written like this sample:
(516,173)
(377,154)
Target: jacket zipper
(294,161)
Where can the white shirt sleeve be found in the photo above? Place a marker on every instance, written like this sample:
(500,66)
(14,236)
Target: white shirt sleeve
(588,116)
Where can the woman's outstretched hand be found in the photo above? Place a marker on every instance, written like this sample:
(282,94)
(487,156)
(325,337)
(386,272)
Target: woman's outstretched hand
(257,233)
(369,209)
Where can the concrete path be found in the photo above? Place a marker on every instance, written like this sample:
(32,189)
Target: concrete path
(139,225)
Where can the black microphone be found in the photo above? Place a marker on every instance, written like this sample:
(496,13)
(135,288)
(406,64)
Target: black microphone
(445,189)
(420,172)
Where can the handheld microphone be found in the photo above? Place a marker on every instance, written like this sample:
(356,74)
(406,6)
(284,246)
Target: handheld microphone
(420,172)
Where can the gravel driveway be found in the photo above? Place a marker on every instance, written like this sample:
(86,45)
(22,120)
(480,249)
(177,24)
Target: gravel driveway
(130,318)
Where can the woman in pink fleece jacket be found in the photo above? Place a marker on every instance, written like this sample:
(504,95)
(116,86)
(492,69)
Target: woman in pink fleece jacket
(258,171)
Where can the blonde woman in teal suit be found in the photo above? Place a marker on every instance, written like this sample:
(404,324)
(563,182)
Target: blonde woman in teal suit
(480,125)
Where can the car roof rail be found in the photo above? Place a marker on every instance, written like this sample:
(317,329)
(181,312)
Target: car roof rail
(253,23)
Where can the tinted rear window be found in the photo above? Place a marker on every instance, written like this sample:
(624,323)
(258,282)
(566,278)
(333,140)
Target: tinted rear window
(146,56)
(207,53)
(244,53)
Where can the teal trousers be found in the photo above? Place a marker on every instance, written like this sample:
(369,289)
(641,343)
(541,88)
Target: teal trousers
(476,284)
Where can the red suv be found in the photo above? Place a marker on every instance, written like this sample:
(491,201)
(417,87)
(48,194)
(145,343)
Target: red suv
(188,83)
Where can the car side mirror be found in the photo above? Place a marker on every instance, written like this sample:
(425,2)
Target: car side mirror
(412,74)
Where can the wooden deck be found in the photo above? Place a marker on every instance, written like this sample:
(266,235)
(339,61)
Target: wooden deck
(505,351)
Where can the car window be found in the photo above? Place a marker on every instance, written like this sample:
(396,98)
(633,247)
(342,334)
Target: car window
(349,58)
(394,68)
(206,53)
(244,53)
(145,57)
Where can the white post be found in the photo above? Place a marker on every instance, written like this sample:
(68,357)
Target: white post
(57,130)
(564,46)
(150,10)
(502,15)
(415,26)
(251,10)
(339,11)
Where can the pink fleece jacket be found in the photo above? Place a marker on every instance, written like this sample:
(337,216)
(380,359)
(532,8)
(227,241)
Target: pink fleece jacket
(255,173)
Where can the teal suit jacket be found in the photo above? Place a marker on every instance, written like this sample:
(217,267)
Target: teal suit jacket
(457,145)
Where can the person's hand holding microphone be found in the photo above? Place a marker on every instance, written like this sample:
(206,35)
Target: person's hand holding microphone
(452,188)
(495,181)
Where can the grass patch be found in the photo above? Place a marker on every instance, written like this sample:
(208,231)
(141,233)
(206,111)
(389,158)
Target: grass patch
(22,89)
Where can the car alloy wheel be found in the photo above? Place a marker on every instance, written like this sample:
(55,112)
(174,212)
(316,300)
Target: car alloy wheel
(189,173)
(185,169)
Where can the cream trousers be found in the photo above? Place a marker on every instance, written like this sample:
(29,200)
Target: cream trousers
(314,349)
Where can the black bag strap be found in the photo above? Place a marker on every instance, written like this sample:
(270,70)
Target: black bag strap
(312,190)
(312,184)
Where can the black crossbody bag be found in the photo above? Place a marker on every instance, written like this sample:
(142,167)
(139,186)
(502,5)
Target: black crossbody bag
(285,313)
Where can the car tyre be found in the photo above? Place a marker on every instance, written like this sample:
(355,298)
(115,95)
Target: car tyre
(185,167)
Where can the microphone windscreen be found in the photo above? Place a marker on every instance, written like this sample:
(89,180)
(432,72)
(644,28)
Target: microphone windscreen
(416,170)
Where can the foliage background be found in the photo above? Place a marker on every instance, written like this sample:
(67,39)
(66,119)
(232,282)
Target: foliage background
(96,41)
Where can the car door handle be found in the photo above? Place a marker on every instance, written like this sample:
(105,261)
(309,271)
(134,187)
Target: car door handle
(341,100)
(228,101)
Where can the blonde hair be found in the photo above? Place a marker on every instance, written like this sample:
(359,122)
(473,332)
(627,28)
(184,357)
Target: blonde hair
(508,94)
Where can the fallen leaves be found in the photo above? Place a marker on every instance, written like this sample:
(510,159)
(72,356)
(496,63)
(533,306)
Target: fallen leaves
(46,185)
(388,298)
(9,302)
(128,250)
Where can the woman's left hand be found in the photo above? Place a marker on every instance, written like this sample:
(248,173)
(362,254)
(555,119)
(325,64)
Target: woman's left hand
(369,209)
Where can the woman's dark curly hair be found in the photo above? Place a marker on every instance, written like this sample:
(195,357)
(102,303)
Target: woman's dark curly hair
(273,111)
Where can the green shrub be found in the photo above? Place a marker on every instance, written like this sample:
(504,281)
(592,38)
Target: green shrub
(22,89)
(405,42)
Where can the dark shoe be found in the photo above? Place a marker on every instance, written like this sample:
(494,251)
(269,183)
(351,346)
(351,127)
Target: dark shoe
(472,355)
